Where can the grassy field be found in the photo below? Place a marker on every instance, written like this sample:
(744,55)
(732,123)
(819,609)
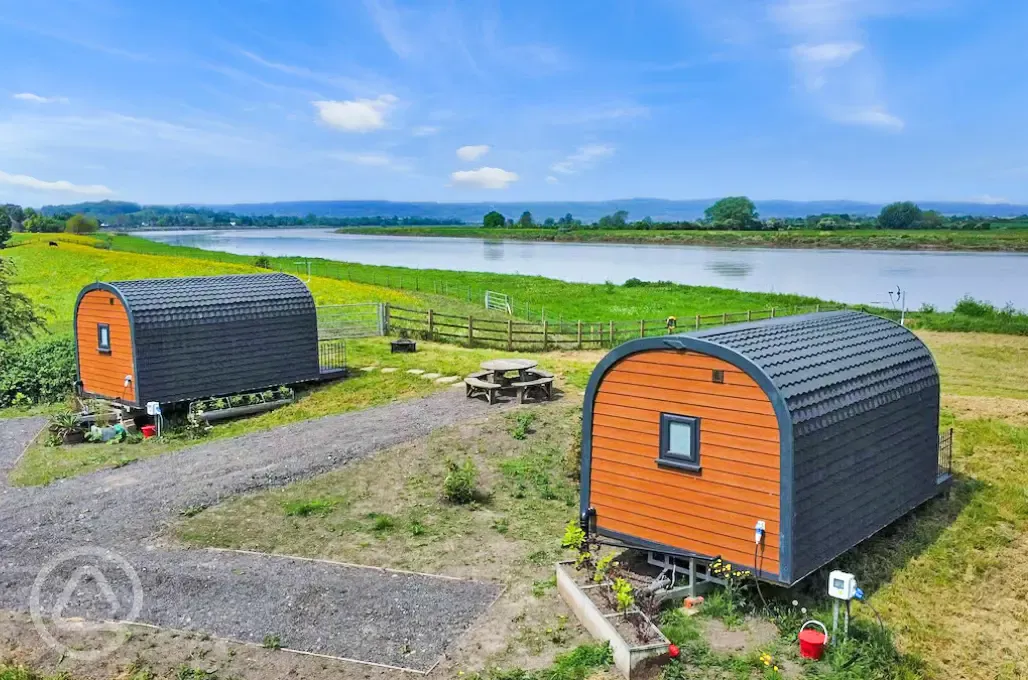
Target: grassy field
(950,579)
(532,294)
(862,239)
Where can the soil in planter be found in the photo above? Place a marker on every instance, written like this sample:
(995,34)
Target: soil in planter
(632,627)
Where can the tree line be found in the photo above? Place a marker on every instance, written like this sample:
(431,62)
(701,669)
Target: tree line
(738,213)
(15,218)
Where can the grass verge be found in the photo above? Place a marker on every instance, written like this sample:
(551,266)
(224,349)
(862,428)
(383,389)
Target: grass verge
(864,239)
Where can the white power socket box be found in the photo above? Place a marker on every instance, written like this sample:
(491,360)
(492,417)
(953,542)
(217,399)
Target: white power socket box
(842,586)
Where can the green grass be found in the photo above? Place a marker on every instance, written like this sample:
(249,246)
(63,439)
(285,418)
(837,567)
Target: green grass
(870,239)
(391,510)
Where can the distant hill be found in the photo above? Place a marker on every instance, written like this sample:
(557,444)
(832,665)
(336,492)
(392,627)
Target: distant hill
(588,211)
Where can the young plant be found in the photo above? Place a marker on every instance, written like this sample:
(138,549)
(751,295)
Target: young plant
(459,485)
(522,422)
(603,568)
(623,594)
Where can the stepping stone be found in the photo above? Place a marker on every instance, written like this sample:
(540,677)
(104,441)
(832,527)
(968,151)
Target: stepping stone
(390,370)
(430,376)
(448,379)
(415,371)
(369,369)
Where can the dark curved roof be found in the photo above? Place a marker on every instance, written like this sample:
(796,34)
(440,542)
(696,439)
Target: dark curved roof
(203,299)
(831,364)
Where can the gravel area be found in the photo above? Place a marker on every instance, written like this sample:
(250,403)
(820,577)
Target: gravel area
(15,435)
(404,620)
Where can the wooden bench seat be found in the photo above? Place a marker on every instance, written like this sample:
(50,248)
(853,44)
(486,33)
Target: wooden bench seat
(525,387)
(474,386)
(539,373)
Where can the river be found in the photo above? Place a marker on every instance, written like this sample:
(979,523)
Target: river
(850,276)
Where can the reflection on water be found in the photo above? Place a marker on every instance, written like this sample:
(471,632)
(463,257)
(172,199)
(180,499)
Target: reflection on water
(852,276)
(492,250)
(732,269)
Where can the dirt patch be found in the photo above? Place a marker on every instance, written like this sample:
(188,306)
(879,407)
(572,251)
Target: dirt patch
(754,634)
(1008,409)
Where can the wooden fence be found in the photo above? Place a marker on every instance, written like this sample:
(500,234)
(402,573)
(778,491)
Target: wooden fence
(547,335)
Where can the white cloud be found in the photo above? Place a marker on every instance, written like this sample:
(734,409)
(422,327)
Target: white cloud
(484,178)
(425,131)
(60,186)
(358,115)
(828,54)
(472,152)
(375,159)
(583,159)
(550,179)
(990,200)
(38,99)
(873,116)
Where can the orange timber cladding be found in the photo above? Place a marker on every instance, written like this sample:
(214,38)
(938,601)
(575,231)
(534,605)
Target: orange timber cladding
(712,513)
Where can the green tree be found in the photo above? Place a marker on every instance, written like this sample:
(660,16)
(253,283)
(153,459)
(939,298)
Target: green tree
(549,222)
(493,220)
(18,318)
(932,219)
(5,226)
(733,212)
(17,215)
(903,215)
(525,221)
(80,224)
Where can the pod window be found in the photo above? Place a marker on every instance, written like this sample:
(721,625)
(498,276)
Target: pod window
(679,442)
(103,337)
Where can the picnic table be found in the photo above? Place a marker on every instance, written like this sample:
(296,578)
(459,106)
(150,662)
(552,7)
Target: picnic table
(501,367)
(493,378)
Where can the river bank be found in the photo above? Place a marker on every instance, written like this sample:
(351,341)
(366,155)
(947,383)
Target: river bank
(992,240)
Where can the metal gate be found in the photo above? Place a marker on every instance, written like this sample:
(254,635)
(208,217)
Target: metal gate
(363,320)
(498,301)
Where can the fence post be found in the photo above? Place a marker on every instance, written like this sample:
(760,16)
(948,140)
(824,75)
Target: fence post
(749,315)
(471,331)
(469,293)
(697,322)
(642,328)
(724,318)
(579,334)
(611,333)
(431,326)
(817,308)
(510,335)
(772,312)
(385,318)
(545,334)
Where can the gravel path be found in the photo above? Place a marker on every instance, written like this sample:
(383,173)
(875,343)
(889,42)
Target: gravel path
(370,615)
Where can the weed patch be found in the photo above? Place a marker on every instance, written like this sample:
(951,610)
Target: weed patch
(306,508)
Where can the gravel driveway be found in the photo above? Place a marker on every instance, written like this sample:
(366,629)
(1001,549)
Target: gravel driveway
(398,619)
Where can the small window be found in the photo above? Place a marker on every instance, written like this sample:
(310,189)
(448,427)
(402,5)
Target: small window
(103,337)
(718,376)
(679,442)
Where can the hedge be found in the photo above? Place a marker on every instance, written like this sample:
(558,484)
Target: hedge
(37,371)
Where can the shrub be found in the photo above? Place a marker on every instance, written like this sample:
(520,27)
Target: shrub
(262,261)
(522,422)
(459,485)
(37,371)
(968,306)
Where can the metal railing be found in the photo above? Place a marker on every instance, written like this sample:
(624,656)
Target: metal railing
(361,320)
(946,453)
(332,354)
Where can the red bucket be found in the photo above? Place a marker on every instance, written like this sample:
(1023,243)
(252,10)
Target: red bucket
(148,431)
(813,642)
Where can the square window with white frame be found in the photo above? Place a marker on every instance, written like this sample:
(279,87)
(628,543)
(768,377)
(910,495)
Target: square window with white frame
(103,337)
(679,442)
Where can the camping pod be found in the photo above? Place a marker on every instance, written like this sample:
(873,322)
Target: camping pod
(822,429)
(173,340)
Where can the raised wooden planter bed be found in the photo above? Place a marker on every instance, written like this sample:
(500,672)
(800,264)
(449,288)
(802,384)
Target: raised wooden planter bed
(630,656)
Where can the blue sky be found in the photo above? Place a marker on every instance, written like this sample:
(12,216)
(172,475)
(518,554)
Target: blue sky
(264,100)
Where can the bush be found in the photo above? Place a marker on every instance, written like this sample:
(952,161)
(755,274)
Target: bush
(968,306)
(459,485)
(262,261)
(37,371)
